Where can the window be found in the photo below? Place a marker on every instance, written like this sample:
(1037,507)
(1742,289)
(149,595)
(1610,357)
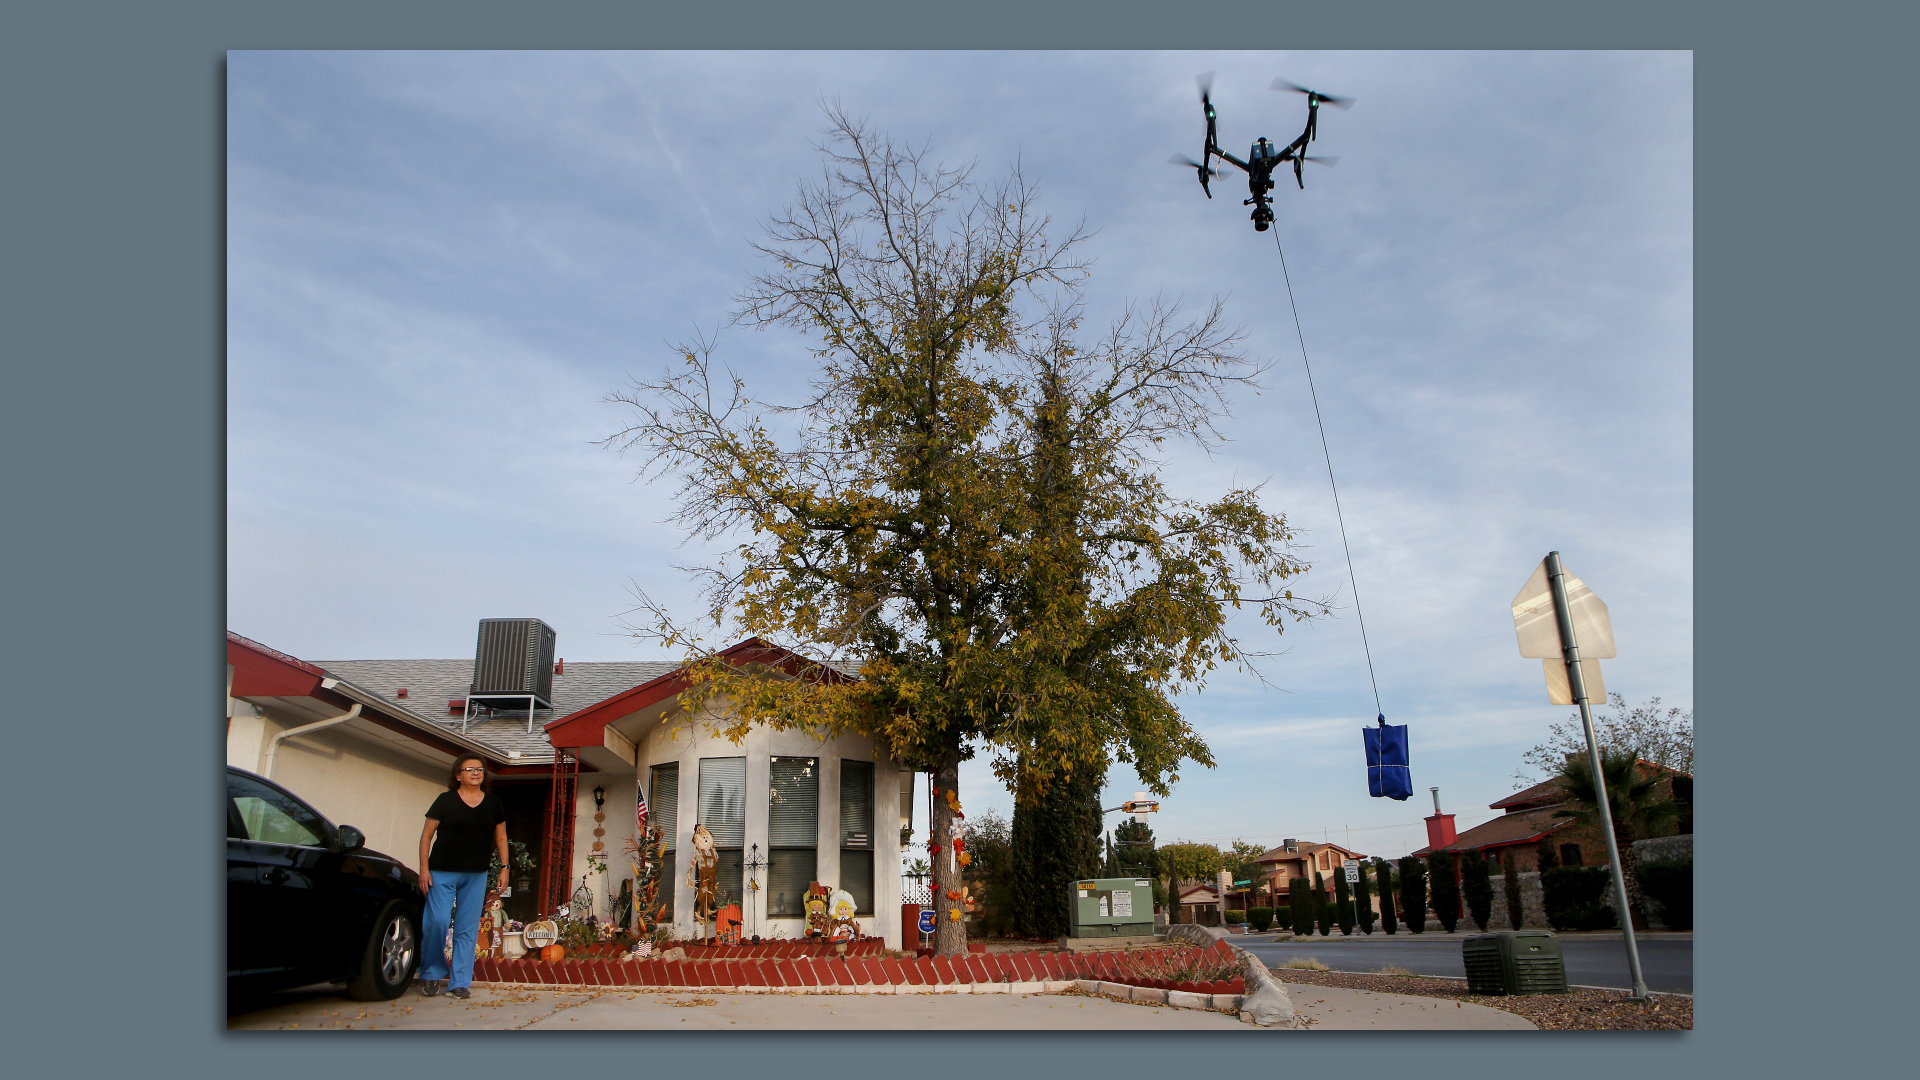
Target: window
(723,810)
(663,810)
(793,833)
(856,833)
(1569,854)
(274,817)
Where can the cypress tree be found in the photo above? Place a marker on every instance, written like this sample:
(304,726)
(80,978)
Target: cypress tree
(1510,877)
(1383,874)
(1301,905)
(1413,894)
(1544,857)
(1343,904)
(1055,841)
(1443,889)
(1322,913)
(1363,899)
(1476,885)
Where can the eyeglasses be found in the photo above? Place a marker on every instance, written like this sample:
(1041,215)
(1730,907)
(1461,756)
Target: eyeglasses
(473,770)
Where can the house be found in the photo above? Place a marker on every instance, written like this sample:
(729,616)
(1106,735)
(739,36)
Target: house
(1201,904)
(1527,818)
(1297,859)
(785,808)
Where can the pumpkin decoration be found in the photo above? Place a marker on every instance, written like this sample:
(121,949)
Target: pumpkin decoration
(554,953)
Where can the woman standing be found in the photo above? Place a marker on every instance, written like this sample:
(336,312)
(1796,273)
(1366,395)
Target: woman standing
(468,819)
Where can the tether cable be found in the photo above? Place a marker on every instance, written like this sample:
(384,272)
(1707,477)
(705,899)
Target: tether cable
(1328,454)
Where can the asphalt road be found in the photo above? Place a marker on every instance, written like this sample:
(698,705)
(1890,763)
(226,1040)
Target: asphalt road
(1666,962)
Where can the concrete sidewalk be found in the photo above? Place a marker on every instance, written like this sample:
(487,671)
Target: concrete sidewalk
(491,1009)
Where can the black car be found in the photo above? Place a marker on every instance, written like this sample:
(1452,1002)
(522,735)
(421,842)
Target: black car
(308,902)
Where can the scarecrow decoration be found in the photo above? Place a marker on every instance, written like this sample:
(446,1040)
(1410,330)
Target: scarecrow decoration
(702,875)
(816,906)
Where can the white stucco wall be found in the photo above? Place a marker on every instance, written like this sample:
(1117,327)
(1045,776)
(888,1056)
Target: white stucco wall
(687,745)
(350,779)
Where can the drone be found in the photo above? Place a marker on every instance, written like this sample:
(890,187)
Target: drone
(1265,156)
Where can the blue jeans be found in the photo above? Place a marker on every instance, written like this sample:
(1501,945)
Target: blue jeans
(471,891)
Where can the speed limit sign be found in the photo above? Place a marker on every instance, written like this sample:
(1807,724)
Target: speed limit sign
(1352,867)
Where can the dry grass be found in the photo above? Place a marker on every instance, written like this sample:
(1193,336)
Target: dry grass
(1391,969)
(1307,963)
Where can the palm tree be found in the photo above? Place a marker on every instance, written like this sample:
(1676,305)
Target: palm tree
(1634,801)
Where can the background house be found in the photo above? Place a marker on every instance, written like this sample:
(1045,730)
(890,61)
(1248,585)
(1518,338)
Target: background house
(1298,859)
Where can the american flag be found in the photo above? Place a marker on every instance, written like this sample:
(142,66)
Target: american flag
(640,811)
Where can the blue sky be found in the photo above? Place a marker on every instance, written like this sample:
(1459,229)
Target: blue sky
(440,263)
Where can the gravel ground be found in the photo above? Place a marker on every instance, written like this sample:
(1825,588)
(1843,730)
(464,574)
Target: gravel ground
(1580,1010)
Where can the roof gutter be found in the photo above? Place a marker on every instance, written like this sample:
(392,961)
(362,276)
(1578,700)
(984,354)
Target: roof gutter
(273,745)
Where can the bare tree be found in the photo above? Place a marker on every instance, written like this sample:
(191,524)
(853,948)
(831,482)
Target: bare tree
(1663,738)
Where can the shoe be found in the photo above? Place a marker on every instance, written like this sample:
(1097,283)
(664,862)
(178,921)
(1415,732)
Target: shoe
(459,992)
(431,987)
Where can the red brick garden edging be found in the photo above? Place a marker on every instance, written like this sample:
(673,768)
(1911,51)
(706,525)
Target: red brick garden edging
(796,966)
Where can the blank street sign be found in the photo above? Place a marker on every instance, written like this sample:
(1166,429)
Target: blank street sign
(1539,631)
(1559,693)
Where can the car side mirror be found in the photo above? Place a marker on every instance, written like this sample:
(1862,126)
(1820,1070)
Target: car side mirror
(351,838)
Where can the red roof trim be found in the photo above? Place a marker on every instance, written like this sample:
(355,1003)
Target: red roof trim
(585,727)
(236,639)
(262,672)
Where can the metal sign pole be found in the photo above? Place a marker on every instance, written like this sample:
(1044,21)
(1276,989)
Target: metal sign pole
(1571,652)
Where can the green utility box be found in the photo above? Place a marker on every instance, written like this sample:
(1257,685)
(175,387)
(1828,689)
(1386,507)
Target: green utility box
(1112,907)
(1514,962)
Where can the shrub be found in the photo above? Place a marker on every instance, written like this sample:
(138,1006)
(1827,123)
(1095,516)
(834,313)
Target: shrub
(1342,904)
(1322,911)
(1383,874)
(1391,969)
(1669,887)
(1575,898)
(1444,889)
(1413,894)
(1260,918)
(1305,963)
(1476,885)
(1235,915)
(1510,877)
(1363,900)
(1302,904)
(1545,858)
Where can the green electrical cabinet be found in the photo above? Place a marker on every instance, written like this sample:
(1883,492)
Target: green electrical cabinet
(1112,907)
(1514,962)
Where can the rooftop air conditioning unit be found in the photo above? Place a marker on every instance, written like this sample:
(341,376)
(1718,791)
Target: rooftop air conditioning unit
(512,662)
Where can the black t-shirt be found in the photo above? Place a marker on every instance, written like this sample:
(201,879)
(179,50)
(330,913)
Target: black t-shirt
(464,841)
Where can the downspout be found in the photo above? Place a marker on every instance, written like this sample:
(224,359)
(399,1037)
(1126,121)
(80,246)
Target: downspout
(273,745)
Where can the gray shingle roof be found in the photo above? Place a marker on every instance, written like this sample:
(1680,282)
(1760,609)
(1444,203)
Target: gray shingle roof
(431,684)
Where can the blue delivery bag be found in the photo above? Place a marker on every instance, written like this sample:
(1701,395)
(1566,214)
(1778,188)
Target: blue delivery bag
(1388,775)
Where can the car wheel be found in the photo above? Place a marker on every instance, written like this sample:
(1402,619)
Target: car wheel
(393,950)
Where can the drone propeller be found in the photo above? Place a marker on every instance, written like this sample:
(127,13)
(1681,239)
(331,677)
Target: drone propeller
(1327,161)
(1314,96)
(1205,80)
(1203,171)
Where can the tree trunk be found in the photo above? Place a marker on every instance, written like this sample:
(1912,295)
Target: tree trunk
(949,931)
